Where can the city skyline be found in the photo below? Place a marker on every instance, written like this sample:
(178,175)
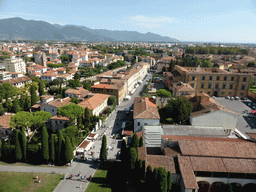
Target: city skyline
(201,20)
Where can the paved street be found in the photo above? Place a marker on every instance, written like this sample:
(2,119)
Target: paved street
(245,123)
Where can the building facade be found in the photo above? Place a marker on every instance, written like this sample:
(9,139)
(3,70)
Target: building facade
(213,81)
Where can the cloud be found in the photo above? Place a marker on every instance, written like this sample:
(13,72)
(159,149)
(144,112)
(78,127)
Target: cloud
(150,22)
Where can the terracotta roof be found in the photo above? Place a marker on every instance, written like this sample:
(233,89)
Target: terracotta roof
(79,91)
(142,153)
(187,173)
(5,120)
(104,86)
(46,97)
(59,118)
(50,75)
(93,102)
(252,135)
(60,102)
(145,109)
(84,144)
(166,162)
(240,165)
(209,164)
(17,80)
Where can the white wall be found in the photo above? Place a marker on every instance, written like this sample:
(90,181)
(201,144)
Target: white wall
(49,108)
(144,122)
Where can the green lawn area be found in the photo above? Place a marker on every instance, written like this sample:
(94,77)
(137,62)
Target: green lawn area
(99,182)
(31,165)
(15,182)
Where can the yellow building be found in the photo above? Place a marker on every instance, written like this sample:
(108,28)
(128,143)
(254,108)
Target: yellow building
(213,81)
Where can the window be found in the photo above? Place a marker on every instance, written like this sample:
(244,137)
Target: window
(222,93)
(209,85)
(208,92)
(244,79)
(243,87)
(224,86)
(202,85)
(216,85)
(232,78)
(231,86)
(241,94)
(192,85)
(56,122)
(193,78)
(60,122)
(218,78)
(145,124)
(138,123)
(203,77)
(210,78)
(229,93)
(52,110)
(225,78)
(44,109)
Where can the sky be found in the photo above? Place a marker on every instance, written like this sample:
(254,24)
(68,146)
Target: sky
(185,20)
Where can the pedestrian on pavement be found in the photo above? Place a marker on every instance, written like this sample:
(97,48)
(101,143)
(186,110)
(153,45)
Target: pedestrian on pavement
(80,186)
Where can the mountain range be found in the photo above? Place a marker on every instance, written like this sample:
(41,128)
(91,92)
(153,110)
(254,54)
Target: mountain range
(18,28)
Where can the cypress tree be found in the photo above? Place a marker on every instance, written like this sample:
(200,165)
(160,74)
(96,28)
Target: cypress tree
(162,177)
(59,147)
(9,151)
(16,106)
(149,175)
(86,117)
(103,150)
(132,158)
(18,153)
(123,155)
(41,88)
(135,141)
(141,169)
(23,144)
(79,120)
(4,154)
(33,95)
(27,104)
(22,102)
(141,142)
(68,150)
(45,145)
(169,181)
(155,179)
(52,149)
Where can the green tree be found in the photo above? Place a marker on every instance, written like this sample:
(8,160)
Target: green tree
(8,105)
(141,172)
(132,158)
(112,100)
(71,111)
(16,106)
(87,117)
(141,142)
(33,95)
(64,58)
(52,148)
(41,88)
(74,100)
(169,181)
(171,66)
(135,141)
(59,148)
(4,153)
(207,63)
(68,150)
(149,176)
(23,144)
(18,153)
(27,59)
(70,131)
(123,152)
(162,177)
(103,150)
(163,93)
(22,102)
(155,180)
(45,145)
(77,76)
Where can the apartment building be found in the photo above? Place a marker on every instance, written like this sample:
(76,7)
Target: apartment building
(4,75)
(14,64)
(213,81)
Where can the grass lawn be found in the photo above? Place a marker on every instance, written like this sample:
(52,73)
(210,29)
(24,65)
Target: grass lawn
(15,181)
(99,182)
(26,164)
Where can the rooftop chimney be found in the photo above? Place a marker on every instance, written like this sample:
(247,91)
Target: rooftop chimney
(60,100)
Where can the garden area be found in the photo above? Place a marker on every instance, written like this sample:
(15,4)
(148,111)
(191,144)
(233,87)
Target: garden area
(16,181)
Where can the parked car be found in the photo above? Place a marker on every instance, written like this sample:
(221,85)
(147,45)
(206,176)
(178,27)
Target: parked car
(237,98)
(227,97)
(243,98)
(232,98)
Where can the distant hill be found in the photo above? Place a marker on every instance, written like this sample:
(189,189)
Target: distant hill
(18,28)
